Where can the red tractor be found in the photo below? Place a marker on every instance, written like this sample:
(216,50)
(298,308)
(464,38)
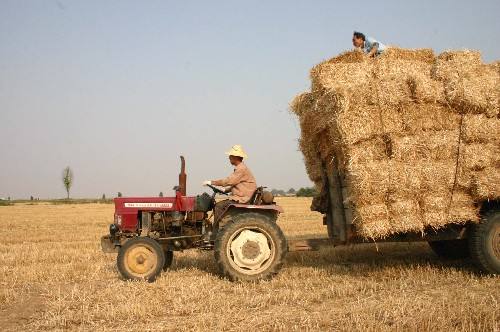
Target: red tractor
(247,242)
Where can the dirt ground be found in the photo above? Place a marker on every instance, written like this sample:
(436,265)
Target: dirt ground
(53,276)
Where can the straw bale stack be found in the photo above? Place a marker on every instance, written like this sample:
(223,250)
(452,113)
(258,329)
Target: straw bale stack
(415,137)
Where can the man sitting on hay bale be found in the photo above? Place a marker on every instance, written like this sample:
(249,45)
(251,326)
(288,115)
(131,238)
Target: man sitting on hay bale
(369,45)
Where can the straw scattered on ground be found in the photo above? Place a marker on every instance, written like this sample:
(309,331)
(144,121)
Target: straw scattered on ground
(54,277)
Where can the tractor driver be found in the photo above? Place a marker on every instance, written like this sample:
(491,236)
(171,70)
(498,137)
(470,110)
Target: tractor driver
(241,183)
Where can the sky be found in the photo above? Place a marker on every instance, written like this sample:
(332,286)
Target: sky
(117,90)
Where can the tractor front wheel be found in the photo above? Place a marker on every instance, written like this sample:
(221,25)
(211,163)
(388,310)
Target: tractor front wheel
(141,258)
(250,247)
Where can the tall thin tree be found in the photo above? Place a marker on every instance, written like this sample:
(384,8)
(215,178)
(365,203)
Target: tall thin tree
(67,178)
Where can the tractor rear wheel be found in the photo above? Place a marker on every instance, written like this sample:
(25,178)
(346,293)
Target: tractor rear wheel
(484,242)
(250,247)
(141,258)
(452,249)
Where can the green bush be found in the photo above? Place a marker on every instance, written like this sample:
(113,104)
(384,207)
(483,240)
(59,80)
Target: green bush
(306,192)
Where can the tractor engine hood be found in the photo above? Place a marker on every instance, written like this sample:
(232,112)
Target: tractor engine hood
(127,208)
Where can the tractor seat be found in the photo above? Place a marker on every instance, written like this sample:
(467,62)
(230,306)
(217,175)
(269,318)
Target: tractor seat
(261,197)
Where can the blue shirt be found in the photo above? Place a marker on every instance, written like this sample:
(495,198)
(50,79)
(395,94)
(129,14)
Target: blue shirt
(369,43)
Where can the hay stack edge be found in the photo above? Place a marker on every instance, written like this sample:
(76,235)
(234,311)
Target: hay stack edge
(414,138)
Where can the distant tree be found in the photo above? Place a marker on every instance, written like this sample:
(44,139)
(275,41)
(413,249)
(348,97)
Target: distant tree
(31,198)
(119,194)
(67,178)
(306,192)
(291,191)
(103,197)
(160,194)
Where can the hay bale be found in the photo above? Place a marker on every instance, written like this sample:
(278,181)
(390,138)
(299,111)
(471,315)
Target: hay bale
(485,184)
(427,145)
(421,55)
(368,182)
(353,76)
(343,78)
(478,156)
(469,85)
(477,128)
(354,56)
(437,177)
(474,91)
(439,210)
(478,170)
(416,137)
(312,161)
(372,221)
(423,89)
(385,180)
(424,117)
(462,208)
(405,217)
(360,123)
(455,63)
(390,91)
(302,103)
(365,151)
(303,106)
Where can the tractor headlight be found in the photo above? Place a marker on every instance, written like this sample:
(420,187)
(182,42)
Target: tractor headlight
(118,220)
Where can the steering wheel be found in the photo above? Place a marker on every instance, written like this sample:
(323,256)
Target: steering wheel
(216,190)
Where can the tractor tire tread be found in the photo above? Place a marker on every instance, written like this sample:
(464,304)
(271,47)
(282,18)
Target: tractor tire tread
(477,238)
(257,219)
(120,259)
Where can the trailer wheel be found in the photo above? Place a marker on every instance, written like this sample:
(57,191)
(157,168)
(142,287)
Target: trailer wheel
(484,242)
(250,247)
(141,258)
(452,249)
(169,258)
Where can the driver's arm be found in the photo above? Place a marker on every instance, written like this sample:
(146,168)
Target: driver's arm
(231,180)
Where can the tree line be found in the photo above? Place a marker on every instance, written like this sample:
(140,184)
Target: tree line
(68,180)
(302,192)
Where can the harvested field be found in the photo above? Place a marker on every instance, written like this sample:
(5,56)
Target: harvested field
(54,277)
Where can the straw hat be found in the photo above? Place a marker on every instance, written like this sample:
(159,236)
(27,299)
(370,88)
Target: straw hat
(237,150)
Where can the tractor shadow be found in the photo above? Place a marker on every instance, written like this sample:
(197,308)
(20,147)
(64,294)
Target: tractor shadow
(202,260)
(355,260)
(361,259)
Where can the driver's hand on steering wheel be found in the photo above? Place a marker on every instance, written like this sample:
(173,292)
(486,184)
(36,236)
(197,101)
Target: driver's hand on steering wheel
(207,183)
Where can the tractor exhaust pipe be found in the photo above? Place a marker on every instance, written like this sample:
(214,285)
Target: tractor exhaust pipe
(182,177)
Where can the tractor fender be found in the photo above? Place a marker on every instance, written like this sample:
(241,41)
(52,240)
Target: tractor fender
(270,210)
(270,207)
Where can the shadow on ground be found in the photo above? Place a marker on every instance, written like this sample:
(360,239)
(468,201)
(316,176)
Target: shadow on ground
(364,258)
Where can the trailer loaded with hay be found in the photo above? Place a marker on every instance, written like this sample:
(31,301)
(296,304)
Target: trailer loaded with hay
(406,147)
